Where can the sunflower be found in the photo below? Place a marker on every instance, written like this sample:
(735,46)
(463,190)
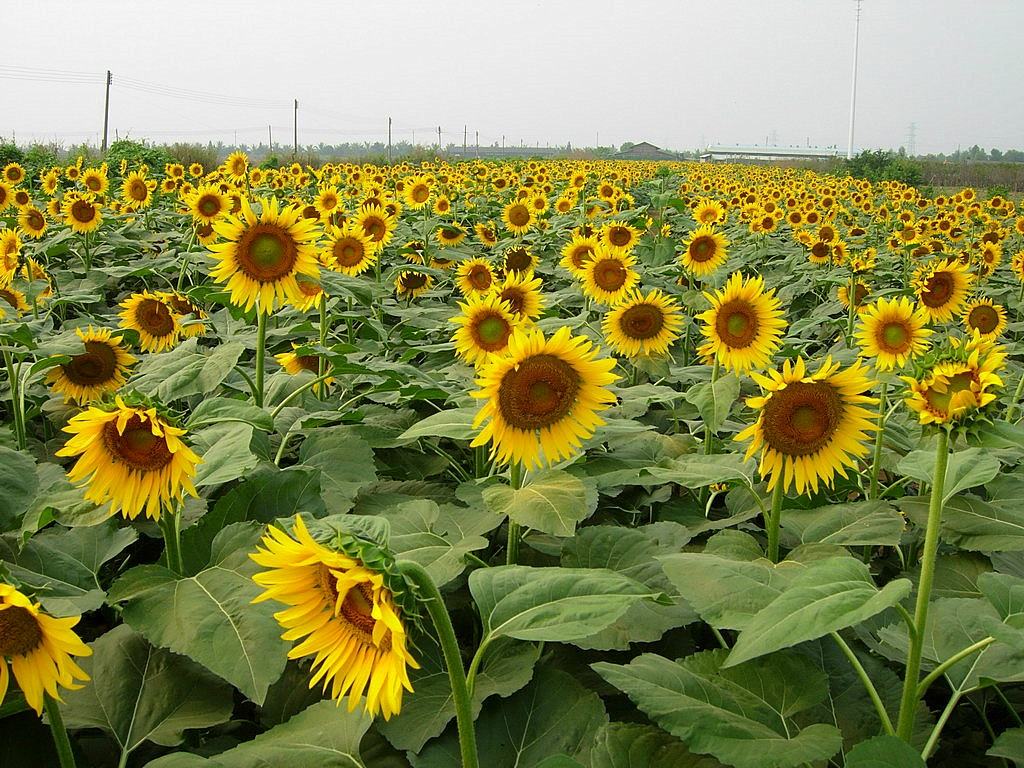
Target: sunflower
(15,298)
(892,331)
(327,201)
(348,250)
(13,174)
(517,217)
(541,398)
(520,260)
(154,320)
(131,457)
(523,296)
(101,368)
(73,172)
(744,325)
(95,181)
(474,277)
(236,166)
(39,648)
(442,205)
(942,288)
(577,252)
(708,212)
(955,387)
(264,253)
(295,364)
(32,221)
(609,276)
(810,427)
(6,196)
(486,233)
(377,224)
(195,170)
(411,284)
(10,250)
(984,317)
(49,181)
(22,199)
(861,292)
(345,614)
(643,325)
(82,214)
(619,238)
(311,292)
(705,251)
(416,191)
(207,203)
(485,326)
(184,307)
(450,235)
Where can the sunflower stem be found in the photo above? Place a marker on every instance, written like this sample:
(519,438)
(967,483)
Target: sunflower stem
(261,350)
(865,680)
(1011,411)
(515,473)
(60,734)
(709,446)
(852,314)
(322,363)
(431,599)
(876,459)
(170,527)
(775,520)
(17,402)
(908,702)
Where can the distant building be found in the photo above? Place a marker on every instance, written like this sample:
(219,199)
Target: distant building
(645,151)
(711,154)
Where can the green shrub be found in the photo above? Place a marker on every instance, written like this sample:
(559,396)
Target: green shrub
(135,153)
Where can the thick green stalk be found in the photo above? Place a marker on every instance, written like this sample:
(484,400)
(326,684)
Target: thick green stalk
(876,459)
(775,520)
(60,735)
(515,471)
(261,351)
(709,445)
(1011,410)
(434,604)
(170,527)
(908,702)
(322,365)
(865,680)
(17,401)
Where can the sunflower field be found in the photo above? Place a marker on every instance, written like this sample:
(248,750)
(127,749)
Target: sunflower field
(515,465)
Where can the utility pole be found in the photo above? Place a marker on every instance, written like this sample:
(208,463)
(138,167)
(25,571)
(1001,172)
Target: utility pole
(465,135)
(295,129)
(503,141)
(912,140)
(853,88)
(389,141)
(439,138)
(478,145)
(106,111)
(270,137)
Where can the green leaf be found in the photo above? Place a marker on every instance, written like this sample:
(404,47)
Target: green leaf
(966,469)
(62,565)
(456,424)
(553,502)
(698,471)
(858,523)
(345,462)
(18,484)
(1006,593)
(225,451)
(715,400)
(185,370)
(741,715)
(216,410)
(140,693)
(553,715)
(1010,745)
(630,745)
(830,595)
(971,523)
(210,617)
(551,604)
(884,752)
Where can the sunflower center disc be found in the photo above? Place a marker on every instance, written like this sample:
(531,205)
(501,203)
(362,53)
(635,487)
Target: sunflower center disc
(83,211)
(820,250)
(519,216)
(266,253)
(19,632)
(517,259)
(154,317)
(538,393)
(420,193)
(984,318)
(480,278)
(642,321)
(895,337)
(492,333)
(938,290)
(96,366)
(610,275)
(619,236)
(582,255)
(412,282)
(209,206)
(939,400)
(36,220)
(375,229)
(515,298)
(702,249)
(348,253)
(800,419)
(137,446)
(736,324)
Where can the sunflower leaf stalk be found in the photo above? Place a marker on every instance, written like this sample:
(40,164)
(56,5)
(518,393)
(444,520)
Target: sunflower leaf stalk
(876,458)
(170,527)
(909,699)
(322,363)
(261,351)
(775,520)
(433,602)
(65,755)
(515,472)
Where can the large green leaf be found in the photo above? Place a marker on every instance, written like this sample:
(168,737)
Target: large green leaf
(631,745)
(697,471)
(742,716)
(715,400)
(1009,745)
(553,715)
(345,462)
(225,451)
(185,370)
(551,604)
(966,469)
(210,617)
(858,523)
(140,693)
(830,595)
(456,424)
(972,523)
(18,483)
(884,752)
(217,410)
(1006,593)
(62,565)
(552,502)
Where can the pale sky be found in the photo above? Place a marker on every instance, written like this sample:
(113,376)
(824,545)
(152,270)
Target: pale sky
(673,73)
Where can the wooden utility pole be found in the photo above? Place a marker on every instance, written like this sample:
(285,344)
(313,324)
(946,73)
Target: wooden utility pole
(295,129)
(106,111)
(439,138)
(270,137)
(389,141)
(465,135)
(478,144)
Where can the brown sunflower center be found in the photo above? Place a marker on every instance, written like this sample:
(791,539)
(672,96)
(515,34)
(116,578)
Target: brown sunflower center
(644,321)
(519,215)
(820,250)
(357,609)
(35,220)
(154,317)
(800,419)
(137,446)
(97,365)
(420,193)
(619,236)
(736,324)
(702,249)
(348,252)
(413,281)
(581,254)
(491,332)
(894,337)
(516,298)
(518,260)
(9,297)
(209,205)
(480,277)
(984,318)
(938,290)
(20,633)
(610,274)
(309,362)
(83,211)
(539,392)
(375,228)
(266,252)
(708,215)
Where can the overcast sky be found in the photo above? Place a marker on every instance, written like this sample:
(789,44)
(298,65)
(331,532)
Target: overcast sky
(678,74)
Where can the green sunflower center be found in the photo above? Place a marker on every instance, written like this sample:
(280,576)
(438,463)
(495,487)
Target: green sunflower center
(984,318)
(736,324)
(266,252)
(20,633)
(894,338)
(209,205)
(492,332)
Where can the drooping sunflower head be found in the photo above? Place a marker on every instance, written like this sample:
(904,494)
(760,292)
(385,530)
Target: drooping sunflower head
(474,277)
(577,252)
(348,250)
(132,457)
(486,233)
(608,277)
(810,427)
(893,331)
(705,251)
(519,259)
(541,398)
(100,368)
(153,319)
(522,294)
(295,363)
(311,292)
(411,284)
(15,299)
(744,326)
(190,314)
(960,383)
(264,253)
(485,326)
(985,318)
(236,166)
(450,234)
(619,237)
(942,288)
(643,325)
(861,293)
(346,612)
